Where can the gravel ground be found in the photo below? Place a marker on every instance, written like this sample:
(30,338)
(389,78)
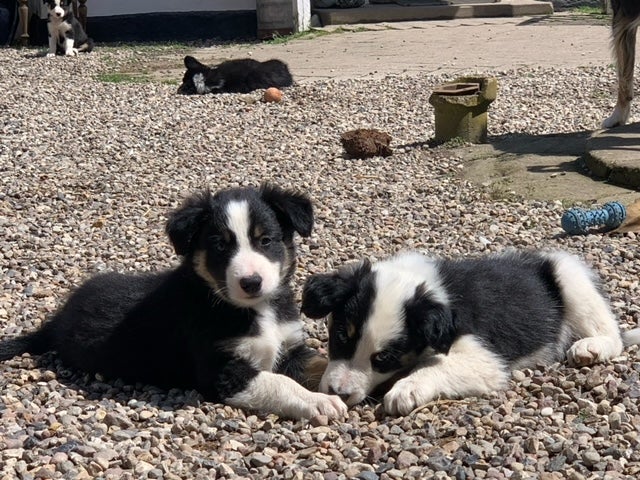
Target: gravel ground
(89,171)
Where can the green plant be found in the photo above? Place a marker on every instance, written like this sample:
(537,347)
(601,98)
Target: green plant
(119,77)
(307,34)
(311,34)
(587,10)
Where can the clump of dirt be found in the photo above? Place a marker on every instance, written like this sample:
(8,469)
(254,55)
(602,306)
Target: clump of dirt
(366,142)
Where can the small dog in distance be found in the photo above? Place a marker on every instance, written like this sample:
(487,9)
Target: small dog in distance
(233,76)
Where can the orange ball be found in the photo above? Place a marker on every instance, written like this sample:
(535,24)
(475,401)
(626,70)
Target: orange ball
(272,94)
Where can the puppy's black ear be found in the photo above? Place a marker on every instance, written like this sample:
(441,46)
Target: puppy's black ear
(192,64)
(293,210)
(323,292)
(320,295)
(432,322)
(184,223)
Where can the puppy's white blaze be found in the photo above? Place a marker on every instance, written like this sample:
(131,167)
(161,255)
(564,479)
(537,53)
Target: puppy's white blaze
(396,281)
(418,269)
(263,350)
(275,393)
(385,323)
(199,83)
(586,312)
(247,261)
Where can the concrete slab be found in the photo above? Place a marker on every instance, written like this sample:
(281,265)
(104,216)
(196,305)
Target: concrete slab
(376,13)
(614,155)
(541,167)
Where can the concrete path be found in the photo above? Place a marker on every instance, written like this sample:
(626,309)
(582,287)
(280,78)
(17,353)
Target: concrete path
(451,46)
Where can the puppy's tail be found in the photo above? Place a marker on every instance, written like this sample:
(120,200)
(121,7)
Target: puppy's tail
(631,337)
(37,342)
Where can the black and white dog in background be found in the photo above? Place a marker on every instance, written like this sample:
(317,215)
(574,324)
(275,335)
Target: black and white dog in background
(624,26)
(66,35)
(233,76)
(224,322)
(455,328)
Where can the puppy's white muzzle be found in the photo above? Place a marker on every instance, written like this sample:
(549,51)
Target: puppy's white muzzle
(351,385)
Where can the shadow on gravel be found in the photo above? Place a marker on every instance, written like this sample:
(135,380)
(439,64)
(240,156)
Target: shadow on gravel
(93,388)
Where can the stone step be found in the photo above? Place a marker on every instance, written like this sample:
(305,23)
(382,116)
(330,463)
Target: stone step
(392,12)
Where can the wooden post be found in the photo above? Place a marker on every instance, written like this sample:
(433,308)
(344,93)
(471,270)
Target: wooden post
(23,10)
(82,14)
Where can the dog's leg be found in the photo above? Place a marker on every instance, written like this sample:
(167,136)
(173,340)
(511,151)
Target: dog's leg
(275,393)
(68,47)
(304,365)
(624,47)
(468,369)
(586,312)
(53,41)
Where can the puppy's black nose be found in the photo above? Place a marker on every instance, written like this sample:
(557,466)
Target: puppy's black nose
(251,284)
(343,396)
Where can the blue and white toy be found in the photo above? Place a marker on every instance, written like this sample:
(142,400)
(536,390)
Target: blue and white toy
(577,221)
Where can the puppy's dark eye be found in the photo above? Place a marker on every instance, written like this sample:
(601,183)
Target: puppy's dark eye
(384,361)
(342,336)
(218,244)
(265,241)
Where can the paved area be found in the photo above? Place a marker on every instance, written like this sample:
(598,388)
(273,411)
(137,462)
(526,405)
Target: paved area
(452,46)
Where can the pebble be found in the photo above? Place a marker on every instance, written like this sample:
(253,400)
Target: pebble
(90,171)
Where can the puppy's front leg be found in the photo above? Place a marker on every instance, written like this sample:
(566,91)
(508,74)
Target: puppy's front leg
(68,48)
(468,369)
(275,393)
(238,383)
(53,43)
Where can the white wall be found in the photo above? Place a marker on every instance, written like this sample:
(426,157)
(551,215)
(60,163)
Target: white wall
(102,8)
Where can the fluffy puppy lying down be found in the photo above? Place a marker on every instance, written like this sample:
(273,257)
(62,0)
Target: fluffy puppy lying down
(456,328)
(242,75)
(224,322)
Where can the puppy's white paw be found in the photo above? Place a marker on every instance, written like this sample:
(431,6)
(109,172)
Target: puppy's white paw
(329,405)
(71,52)
(590,350)
(407,395)
(49,54)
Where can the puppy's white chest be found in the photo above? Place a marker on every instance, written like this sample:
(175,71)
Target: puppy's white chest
(57,26)
(263,349)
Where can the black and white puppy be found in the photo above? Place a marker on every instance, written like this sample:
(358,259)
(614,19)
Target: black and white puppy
(224,322)
(624,26)
(233,76)
(455,328)
(66,35)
